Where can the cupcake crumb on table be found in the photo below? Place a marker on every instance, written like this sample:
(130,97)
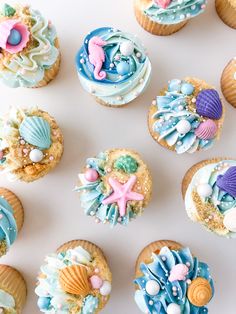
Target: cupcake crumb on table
(113,66)
(187,116)
(115,186)
(228,82)
(226,10)
(209,192)
(31,144)
(76,279)
(29,49)
(170,279)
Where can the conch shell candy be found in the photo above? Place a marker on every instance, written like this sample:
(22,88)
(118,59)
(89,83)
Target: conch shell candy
(74,280)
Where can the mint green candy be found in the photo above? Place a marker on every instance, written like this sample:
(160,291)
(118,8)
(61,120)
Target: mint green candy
(8,10)
(127,164)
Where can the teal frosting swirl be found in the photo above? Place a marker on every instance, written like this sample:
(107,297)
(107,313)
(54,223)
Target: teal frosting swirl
(159,271)
(177,11)
(8,226)
(27,68)
(90,305)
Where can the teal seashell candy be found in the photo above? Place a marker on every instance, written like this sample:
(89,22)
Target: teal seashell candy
(36,131)
(126,163)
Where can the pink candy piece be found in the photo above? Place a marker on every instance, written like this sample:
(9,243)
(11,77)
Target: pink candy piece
(97,56)
(91,175)
(1,155)
(163,3)
(206,130)
(96,282)
(5,30)
(178,272)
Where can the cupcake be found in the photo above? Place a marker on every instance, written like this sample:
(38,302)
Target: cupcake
(165,17)
(13,290)
(29,50)
(187,116)
(115,186)
(226,10)
(169,279)
(209,192)
(76,279)
(11,219)
(31,144)
(113,66)
(228,82)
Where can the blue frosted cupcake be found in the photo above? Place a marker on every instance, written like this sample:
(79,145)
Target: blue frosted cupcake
(165,17)
(11,219)
(170,280)
(113,66)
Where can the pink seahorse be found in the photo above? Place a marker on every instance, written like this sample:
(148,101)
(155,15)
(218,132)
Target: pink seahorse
(97,56)
(163,3)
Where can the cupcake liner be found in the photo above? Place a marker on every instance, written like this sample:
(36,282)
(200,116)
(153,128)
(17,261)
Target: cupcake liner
(228,82)
(12,282)
(16,205)
(153,27)
(227,12)
(146,255)
(52,72)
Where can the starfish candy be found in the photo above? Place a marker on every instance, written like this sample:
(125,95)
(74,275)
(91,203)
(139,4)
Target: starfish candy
(122,194)
(163,3)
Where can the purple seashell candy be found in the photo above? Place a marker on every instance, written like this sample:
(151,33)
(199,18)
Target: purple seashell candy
(227,182)
(208,104)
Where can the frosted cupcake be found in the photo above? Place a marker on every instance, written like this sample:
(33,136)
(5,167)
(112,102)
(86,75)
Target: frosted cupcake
(170,280)
(115,186)
(11,219)
(187,116)
(165,17)
(228,82)
(31,144)
(226,10)
(13,290)
(113,66)
(29,54)
(76,279)
(209,191)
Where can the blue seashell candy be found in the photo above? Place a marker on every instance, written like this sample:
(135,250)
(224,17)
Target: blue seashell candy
(36,131)
(208,104)
(227,182)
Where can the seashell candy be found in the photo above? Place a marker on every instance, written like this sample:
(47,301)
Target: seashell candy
(126,163)
(208,104)
(230,219)
(206,130)
(178,272)
(74,280)
(36,131)
(227,182)
(199,292)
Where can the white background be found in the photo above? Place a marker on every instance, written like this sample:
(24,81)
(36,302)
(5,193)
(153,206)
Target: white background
(52,210)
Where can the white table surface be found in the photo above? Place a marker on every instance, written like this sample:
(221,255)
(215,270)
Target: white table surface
(52,211)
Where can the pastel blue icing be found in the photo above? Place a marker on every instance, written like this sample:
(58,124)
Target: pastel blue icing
(115,88)
(7,302)
(171,109)
(176,11)
(159,271)
(34,61)
(90,305)
(8,226)
(93,194)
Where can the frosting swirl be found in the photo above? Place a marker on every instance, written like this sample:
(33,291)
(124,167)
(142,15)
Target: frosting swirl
(176,11)
(27,68)
(7,302)
(171,273)
(125,64)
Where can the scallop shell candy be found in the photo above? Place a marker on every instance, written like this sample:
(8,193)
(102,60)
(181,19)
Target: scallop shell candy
(74,280)
(126,163)
(36,131)
(208,104)
(199,292)
(227,182)
(206,130)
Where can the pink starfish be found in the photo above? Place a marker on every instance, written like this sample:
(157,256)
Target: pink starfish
(122,194)
(163,3)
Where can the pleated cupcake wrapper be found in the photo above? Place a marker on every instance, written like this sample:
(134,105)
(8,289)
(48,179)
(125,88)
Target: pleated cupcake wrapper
(52,72)
(146,255)
(153,27)
(16,205)
(228,83)
(227,12)
(13,283)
